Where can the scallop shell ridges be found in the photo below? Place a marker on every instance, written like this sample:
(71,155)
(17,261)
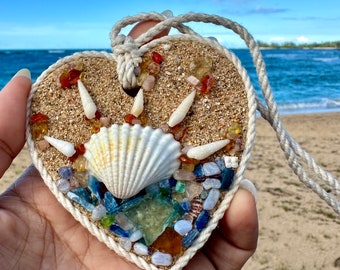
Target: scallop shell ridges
(129,158)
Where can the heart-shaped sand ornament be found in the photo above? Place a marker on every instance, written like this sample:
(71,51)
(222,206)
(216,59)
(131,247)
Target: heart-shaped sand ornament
(145,146)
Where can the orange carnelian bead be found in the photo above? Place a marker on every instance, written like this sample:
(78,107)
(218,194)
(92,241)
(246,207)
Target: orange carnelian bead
(183,158)
(208,82)
(157,57)
(129,118)
(37,118)
(80,150)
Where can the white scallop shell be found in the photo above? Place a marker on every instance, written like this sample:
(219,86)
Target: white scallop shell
(129,158)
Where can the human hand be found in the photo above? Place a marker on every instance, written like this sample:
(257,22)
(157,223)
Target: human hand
(36,232)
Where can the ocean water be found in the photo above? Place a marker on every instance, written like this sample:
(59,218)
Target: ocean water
(302,81)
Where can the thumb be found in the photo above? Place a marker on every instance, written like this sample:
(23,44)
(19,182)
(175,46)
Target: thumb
(13,98)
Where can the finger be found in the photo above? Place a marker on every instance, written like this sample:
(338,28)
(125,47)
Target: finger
(236,238)
(240,223)
(13,100)
(143,26)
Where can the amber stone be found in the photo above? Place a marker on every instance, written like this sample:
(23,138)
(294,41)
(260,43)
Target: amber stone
(235,128)
(178,132)
(80,164)
(96,125)
(154,68)
(38,130)
(202,66)
(169,242)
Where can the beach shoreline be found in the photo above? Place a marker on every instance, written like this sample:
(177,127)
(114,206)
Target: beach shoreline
(298,230)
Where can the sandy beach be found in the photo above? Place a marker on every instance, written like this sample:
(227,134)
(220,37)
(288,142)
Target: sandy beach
(297,229)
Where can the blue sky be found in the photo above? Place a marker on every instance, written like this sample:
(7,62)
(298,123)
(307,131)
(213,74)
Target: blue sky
(86,24)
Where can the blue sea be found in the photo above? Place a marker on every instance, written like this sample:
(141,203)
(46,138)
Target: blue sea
(303,81)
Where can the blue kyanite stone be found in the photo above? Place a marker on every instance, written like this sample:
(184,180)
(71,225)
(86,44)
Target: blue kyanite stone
(220,163)
(202,220)
(81,196)
(172,182)
(110,202)
(198,170)
(119,231)
(152,189)
(65,172)
(186,205)
(190,238)
(94,185)
(165,184)
(227,177)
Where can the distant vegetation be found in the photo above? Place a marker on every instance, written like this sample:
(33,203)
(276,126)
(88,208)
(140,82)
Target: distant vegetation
(292,45)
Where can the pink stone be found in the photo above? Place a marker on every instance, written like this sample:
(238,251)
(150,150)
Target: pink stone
(184,175)
(149,83)
(42,145)
(105,121)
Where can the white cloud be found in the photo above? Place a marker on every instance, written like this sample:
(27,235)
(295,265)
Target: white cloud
(302,39)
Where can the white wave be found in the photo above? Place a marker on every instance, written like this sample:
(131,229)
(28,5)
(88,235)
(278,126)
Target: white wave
(325,104)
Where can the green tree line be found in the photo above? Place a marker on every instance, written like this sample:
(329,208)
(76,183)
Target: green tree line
(292,45)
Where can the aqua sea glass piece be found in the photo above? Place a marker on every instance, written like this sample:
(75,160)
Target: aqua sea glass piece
(180,187)
(152,215)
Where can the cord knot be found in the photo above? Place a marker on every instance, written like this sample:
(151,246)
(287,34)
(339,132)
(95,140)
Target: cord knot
(128,57)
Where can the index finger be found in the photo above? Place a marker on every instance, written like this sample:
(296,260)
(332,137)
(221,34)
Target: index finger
(13,99)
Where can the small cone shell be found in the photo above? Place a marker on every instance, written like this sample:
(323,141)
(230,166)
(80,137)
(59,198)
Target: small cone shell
(181,111)
(204,151)
(88,105)
(66,148)
(138,104)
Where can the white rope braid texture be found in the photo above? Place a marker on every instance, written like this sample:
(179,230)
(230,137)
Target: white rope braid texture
(297,157)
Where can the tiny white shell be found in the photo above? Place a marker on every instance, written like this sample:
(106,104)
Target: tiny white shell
(138,104)
(181,111)
(129,158)
(204,151)
(66,148)
(88,105)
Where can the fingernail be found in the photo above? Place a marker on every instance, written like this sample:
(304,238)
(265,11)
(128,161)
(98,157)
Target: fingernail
(23,72)
(248,185)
